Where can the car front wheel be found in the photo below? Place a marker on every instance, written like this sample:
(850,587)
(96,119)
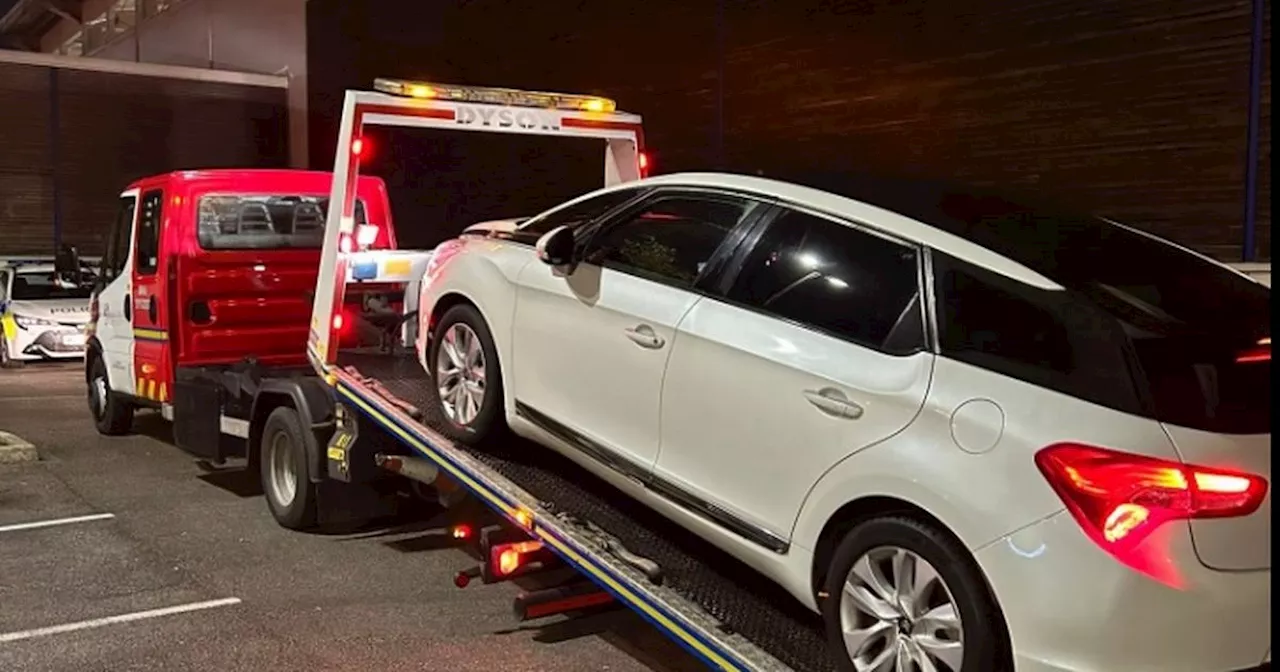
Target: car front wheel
(464,370)
(903,595)
(6,359)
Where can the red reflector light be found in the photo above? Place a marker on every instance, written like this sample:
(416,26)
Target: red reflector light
(357,146)
(462,532)
(644,164)
(1119,498)
(338,322)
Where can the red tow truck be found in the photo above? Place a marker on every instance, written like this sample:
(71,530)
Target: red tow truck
(208,269)
(250,352)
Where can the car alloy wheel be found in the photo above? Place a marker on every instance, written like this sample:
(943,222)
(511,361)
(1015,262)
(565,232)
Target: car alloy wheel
(460,374)
(898,614)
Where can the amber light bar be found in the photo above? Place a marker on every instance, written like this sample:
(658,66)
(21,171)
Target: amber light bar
(493,95)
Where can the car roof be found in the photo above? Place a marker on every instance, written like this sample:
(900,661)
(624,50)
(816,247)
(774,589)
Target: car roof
(883,218)
(1022,236)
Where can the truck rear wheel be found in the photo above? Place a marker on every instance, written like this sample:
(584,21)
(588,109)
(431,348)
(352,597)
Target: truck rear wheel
(283,466)
(112,414)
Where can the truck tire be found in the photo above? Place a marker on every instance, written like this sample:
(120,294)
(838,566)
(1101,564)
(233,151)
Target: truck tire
(112,413)
(282,462)
(951,616)
(476,416)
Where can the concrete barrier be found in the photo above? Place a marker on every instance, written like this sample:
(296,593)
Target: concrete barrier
(13,450)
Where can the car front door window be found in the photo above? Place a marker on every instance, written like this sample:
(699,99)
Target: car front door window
(670,240)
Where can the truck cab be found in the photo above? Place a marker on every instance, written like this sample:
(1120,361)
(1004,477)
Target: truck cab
(210,269)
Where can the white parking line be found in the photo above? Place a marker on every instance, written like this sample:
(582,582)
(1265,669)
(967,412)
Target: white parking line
(57,521)
(113,620)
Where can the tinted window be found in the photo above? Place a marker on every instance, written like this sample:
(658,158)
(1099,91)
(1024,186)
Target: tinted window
(837,279)
(1204,385)
(118,244)
(4,285)
(148,247)
(580,213)
(264,221)
(1054,339)
(670,239)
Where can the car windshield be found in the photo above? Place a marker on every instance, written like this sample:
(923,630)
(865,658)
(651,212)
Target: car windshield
(45,286)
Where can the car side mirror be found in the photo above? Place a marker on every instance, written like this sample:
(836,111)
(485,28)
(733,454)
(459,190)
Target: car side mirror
(556,247)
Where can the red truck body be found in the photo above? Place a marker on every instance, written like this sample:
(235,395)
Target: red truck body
(220,268)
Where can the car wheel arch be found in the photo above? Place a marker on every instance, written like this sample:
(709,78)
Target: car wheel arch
(452,298)
(873,507)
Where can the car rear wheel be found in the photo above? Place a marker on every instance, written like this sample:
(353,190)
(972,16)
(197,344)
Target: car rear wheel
(112,414)
(464,370)
(903,595)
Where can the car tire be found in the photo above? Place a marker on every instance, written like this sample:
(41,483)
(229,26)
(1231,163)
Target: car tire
(6,360)
(486,422)
(957,581)
(282,464)
(112,413)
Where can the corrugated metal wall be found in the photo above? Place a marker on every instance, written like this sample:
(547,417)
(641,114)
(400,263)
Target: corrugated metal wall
(111,129)
(1134,108)
(26,173)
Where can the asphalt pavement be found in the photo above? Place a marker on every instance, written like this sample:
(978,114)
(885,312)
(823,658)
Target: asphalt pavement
(123,554)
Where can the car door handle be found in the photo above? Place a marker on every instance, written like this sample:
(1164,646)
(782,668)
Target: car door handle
(644,336)
(831,401)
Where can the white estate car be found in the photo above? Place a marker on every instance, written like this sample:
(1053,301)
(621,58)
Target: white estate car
(40,317)
(974,435)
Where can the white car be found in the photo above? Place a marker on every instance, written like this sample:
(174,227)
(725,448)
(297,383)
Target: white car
(41,317)
(974,435)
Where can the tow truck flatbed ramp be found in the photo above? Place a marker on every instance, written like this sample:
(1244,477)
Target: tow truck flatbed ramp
(718,609)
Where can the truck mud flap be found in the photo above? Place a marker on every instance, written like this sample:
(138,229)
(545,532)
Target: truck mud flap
(197,416)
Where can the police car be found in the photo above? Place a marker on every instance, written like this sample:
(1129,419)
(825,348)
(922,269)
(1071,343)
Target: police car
(42,316)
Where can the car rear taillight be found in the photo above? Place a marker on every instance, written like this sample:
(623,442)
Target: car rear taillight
(1120,498)
(1259,353)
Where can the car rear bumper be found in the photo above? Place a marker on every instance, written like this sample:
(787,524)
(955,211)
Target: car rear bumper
(1072,607)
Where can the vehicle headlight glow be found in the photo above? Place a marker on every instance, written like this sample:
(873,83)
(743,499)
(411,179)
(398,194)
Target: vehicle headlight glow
(28,322)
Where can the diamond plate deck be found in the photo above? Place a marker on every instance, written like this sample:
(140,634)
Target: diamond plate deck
(740,599)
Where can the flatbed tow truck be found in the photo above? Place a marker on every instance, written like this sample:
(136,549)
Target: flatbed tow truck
(364,415)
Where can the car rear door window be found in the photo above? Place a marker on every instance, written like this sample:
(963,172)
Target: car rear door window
(835,278)
(1050,338)
(671,238)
